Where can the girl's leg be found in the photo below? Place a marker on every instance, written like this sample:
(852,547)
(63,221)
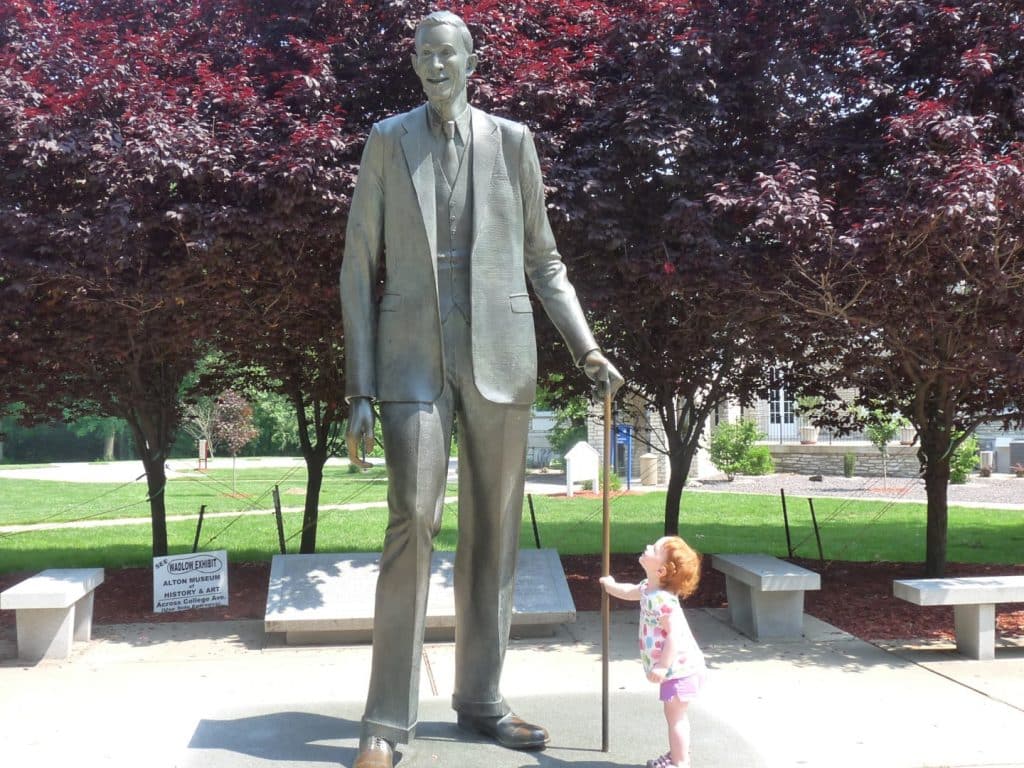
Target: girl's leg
(677,717)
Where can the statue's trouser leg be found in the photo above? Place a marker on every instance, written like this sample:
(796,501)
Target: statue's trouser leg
(416,440)
(492,464)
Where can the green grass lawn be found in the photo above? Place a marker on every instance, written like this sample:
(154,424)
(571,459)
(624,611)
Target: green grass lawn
(713,522)
(733,522)
(35,501)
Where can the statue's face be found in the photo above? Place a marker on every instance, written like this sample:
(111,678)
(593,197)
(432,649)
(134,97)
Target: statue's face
(442,64)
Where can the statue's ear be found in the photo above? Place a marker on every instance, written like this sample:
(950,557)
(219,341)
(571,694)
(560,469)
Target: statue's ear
(471,62)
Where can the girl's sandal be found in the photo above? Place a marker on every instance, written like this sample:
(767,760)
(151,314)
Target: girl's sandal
(664,761)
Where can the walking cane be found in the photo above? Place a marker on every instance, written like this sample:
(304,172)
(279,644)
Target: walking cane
(606,562)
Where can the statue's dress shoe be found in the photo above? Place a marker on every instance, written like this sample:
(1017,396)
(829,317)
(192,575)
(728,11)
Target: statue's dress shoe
(374,752)
(508,730)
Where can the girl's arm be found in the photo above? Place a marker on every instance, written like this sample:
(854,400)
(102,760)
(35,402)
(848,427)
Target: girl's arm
(621,591)
(671,623)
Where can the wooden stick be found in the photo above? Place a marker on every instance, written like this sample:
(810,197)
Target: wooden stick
(606,563)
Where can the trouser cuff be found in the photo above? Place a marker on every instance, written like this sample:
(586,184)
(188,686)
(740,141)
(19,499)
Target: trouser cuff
(392,733)
(497,708)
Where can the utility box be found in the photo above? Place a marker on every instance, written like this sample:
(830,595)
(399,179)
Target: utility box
(581,465)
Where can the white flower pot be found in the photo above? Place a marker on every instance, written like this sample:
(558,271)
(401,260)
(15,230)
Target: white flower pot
(808,435)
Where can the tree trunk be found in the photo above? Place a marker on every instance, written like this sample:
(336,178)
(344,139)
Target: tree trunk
(936,483)
(108,446)
(682,431)
(679,460)
(156,481)
(315,461)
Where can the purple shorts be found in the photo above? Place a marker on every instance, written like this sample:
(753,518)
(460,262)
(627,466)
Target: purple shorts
(683,688)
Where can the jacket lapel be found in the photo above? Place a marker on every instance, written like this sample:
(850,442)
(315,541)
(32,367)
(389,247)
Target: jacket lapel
(416,147)
(486,143)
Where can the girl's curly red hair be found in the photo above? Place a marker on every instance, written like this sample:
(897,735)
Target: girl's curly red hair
(682,566)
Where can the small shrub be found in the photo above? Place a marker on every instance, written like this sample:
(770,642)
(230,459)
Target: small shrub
(849,464)
(758,461)
(964,460)
(731,445)
(614,484)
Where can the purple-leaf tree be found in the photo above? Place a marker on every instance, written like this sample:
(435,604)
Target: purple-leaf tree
(233,425)
(901,241)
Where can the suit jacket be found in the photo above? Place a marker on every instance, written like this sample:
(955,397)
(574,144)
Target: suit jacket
(394,349)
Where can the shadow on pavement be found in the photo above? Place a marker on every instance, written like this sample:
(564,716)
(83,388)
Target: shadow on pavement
(281,736)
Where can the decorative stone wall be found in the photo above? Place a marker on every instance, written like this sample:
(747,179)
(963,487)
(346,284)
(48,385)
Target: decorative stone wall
(828,459)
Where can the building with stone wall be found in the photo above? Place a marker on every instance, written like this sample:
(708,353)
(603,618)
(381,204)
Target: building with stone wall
(779,419)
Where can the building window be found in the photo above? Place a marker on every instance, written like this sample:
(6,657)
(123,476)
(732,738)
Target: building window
(780,407)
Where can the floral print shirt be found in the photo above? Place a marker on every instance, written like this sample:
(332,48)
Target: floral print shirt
(656,604)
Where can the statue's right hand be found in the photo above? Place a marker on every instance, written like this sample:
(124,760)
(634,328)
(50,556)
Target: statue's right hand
(360,429)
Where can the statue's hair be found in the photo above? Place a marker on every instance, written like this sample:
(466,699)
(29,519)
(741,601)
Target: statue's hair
(441,18)
(682,566)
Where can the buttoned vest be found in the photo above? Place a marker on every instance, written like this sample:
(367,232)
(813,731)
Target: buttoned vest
(454,232)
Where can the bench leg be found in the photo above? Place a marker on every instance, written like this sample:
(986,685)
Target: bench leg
(45,633)
(975,630)
(83,617)
(765,615)
(779,614)
(741,609)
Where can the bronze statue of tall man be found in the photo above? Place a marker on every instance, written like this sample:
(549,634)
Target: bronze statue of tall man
(450,201)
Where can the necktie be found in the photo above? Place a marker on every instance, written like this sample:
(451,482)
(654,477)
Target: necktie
(451,154)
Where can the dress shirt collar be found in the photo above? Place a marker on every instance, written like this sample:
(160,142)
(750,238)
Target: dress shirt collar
(462,123)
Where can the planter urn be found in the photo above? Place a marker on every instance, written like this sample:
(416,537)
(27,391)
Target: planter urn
(808,435)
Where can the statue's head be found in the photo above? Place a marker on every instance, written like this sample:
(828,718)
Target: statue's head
(444,60)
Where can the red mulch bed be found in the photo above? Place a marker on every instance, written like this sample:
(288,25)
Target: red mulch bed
(856,597)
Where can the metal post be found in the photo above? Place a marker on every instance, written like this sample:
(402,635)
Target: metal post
(785,520)
(606,547)
(629,458)
(817,534)
(533,519)
(280,519)
(199,527)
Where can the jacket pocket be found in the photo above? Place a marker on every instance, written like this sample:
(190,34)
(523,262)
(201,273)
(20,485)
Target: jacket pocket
(520,302)
(389,302)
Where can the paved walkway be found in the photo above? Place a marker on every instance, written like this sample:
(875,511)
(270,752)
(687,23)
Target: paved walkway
(224,695)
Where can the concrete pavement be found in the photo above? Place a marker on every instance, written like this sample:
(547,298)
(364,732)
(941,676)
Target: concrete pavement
(225,695)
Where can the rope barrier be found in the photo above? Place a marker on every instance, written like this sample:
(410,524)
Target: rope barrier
(847,502)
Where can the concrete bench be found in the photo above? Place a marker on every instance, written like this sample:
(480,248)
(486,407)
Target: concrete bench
(766,595)
(52,609)
(974,601)
(329,598)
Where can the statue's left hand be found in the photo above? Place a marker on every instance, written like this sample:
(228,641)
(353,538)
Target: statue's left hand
(602,372)
(360,430)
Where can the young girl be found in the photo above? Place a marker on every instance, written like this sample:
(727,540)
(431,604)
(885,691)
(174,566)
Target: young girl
(668,650)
